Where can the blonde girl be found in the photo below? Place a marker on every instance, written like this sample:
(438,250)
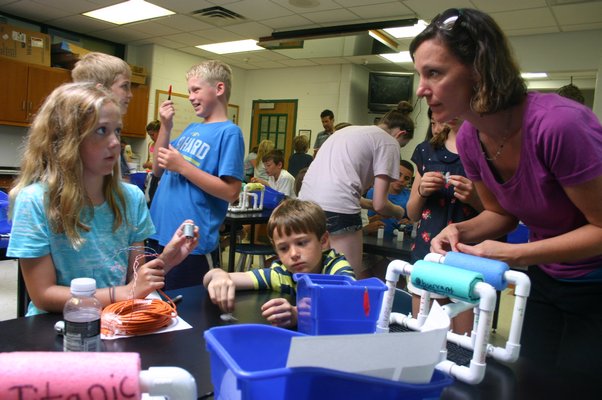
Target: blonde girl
(265,146)
(72,215)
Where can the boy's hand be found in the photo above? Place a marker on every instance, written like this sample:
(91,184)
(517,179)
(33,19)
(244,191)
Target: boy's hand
(279,312)
(179,247)
(171,159)
(166,114)
(221,289)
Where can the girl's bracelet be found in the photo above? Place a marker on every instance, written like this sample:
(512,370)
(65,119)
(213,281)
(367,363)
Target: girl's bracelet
(420,194)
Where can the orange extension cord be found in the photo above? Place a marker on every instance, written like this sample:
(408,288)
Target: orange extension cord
(137,316)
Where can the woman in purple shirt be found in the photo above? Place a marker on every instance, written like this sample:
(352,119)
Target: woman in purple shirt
(533,157)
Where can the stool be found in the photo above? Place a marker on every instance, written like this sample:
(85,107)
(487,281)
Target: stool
(244,262)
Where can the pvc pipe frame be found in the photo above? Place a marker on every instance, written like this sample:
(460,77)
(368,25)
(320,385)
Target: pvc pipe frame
(522,289)
(478,341)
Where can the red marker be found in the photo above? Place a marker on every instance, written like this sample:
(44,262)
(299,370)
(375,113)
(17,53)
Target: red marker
(169,93)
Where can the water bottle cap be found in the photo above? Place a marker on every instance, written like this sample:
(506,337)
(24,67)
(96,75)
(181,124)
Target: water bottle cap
(83,286)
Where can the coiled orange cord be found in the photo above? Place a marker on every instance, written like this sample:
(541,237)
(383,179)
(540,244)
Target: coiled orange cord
(137,316)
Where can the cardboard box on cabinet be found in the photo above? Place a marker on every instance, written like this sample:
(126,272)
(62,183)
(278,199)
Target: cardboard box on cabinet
(24,45)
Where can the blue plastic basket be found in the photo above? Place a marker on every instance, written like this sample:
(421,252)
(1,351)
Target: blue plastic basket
(249,362)
(519,235)
(334,304)
(138,179)
(5,225)
(271,198)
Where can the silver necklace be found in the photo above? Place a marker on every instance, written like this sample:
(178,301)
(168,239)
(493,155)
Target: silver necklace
(501,145)
(498,151)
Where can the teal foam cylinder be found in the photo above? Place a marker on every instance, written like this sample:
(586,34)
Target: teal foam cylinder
(446,280)
(493,270)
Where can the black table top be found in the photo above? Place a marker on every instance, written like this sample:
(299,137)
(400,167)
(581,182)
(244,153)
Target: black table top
(248,217)
(186,349)
(388,246)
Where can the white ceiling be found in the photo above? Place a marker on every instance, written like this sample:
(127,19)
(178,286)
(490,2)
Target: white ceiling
(183,31)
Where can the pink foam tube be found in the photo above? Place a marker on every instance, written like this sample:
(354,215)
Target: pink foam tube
(57,375)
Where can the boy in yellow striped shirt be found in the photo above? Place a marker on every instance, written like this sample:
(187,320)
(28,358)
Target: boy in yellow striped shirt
(297,230)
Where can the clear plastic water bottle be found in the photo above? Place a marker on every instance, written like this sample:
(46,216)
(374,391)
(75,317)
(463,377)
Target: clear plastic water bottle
(82,317)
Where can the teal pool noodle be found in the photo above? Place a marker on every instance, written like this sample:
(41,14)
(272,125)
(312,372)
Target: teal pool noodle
(493,270)
(446,280)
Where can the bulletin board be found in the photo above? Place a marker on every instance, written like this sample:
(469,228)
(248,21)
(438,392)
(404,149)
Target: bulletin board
(185,115)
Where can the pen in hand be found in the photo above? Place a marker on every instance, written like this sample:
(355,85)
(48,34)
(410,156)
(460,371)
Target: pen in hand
(169,93)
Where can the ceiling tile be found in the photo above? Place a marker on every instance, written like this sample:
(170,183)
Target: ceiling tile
(427,10)
(250,30)
(33,11)
(80,23)
(492,6)
(188,39)
(583,13)
(184,23)
(153,29)
(331,16)
(287,23)
(391,10)
(259,9)
(532,18)
(219,35)
(322,5)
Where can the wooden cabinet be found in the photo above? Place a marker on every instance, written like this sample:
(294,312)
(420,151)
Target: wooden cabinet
(135,120)
(24,88)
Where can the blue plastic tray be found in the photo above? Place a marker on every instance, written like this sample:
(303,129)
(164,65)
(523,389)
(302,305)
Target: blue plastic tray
(249,362)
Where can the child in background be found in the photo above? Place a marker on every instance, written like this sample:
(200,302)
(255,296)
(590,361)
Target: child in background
(436,202)
(72,215)
(152,130)
(249,163)
(297,230)
(399,194)
(265,146)
(115,75)
(201,171)
(279,178)
(350,162)
(300,159)
(150,185)
(109,71)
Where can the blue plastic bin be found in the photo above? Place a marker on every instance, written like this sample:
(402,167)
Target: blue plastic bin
(334,304)
(5,225)
(271,198)
(249,362)
(519,235)
(138,179)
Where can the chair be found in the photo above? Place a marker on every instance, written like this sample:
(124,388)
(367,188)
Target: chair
(247,251)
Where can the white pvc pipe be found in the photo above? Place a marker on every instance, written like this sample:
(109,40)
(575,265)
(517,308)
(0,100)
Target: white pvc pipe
(172,382)
(394,270)
(405,320)
(472,375)
(435,257)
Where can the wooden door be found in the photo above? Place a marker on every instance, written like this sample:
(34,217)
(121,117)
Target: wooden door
(41,82)
(274,120)
(135,120)
(13,86)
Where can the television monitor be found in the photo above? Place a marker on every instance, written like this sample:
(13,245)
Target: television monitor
(387,89)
